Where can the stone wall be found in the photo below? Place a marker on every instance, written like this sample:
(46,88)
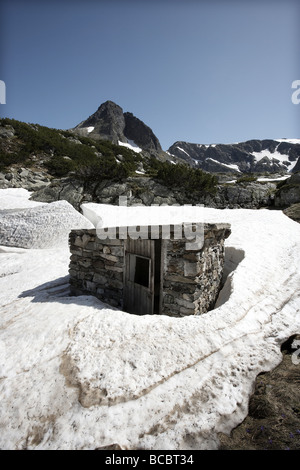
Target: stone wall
(190,279)
(96,267)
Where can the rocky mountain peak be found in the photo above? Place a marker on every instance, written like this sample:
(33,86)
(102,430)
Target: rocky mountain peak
(106,123)
(109,122)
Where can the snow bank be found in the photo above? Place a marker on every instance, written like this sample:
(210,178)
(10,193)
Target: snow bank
(40,227)
(16,198)
(105,215)
(77,374)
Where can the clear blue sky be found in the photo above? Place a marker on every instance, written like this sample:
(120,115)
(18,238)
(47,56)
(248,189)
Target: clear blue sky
(215,71)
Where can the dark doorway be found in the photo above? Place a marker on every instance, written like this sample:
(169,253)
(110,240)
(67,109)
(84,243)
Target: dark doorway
(142,271)
(142,276)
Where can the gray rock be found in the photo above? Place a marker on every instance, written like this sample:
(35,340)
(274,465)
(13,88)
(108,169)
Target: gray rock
(141,134)
(146,191)
(23,172)
(9,176)
(7,131)
(289,192)
(293,212)
(64,189)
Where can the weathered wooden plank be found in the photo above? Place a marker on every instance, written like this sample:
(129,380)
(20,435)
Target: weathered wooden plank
(139,298)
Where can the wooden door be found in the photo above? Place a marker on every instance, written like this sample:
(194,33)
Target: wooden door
(139,277)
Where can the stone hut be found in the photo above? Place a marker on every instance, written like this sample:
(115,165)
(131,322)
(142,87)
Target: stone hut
(162,272)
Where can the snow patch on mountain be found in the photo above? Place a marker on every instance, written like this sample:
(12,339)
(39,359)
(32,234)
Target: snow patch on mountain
(131,145)
(179,148)
(290,141)
(282,158)
(232,166)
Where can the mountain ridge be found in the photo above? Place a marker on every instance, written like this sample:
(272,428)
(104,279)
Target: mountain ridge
(252,156)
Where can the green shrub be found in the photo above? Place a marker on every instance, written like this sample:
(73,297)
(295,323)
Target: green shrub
(60,166)
(104,169)
(34,139)
(246,179)
(183,177)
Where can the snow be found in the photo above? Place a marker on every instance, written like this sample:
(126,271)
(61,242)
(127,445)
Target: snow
(283,159)
(131,145)
(265,179)
(228,165)
(16,198)
(88,129)
(40,227)
(290,141)
(105,215)
(78,374)
(179,148)
(279,178)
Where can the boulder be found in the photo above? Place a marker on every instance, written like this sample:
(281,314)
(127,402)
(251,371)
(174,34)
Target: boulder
(293,212)
(289,192)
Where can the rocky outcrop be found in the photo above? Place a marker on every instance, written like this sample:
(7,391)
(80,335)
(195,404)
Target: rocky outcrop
(146,191)
(250,156)
(293,212)
(110,123)
(297,166)
(7,131)
(141,134)
(25,178)
(288,192)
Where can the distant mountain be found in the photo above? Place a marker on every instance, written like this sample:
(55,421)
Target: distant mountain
(253,156)
(109,122)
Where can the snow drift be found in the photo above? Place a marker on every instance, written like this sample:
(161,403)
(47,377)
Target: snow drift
(16,198)
(42,226)
(78,374)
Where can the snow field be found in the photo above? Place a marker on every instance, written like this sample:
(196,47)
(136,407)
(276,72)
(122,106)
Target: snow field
(78,374)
